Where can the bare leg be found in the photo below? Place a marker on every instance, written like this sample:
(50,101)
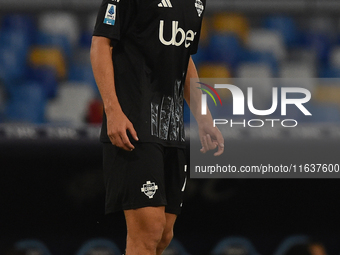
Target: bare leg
(145,227)
(168,233)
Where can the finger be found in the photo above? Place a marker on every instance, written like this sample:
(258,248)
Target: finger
(205,147)
(126,142)
(220,151)
(210,143)
(133,132)
(220,139)
(117,141)
(220,142)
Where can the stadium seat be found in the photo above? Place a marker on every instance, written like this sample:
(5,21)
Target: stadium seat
(323,24)
(262,58)
(15,40)
(325,112)
(303,55)
(19,23)
(52,57)
(99,247)
(295,74)
(26,103)
(61,42)
(234,246)
(289,242)
(175,248)
(265,40)
(71,104)
(85,39)
(81,56)
(82,73)
(95,111)
(319,42)
(60,23)
(258,77)
(201,56)
(91,21)
(254,70)
(2,102)
(214,70)
(12,64)
(334,57)
(224,48)
(284,25)
(47,78)
(231,23)
(296,70)
(329,72)
(31,246)
(328,93)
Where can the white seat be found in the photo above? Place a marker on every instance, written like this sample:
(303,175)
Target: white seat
(335,57)
(91,22)
(60,23)
(71,103)
(267,41)
(259,77)
(296,74)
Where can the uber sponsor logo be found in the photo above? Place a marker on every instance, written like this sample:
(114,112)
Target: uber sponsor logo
(178,35)
(110,15)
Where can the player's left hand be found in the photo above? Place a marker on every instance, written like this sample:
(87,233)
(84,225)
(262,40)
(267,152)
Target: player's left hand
(211,138)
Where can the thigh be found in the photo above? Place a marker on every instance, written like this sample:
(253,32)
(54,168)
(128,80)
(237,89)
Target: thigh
(134,179)
(175,171)
(145,220)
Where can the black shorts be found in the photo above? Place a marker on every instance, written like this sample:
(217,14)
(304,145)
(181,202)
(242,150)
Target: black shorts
(150,175)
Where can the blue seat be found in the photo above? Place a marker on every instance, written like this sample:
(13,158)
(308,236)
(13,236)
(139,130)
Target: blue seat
(325,112)
(55,40)
(12,64)
(224,48)
(15,40)
(201,56)
(85,39)
(46,77)
(321,43)
(234,246)
(82,73)
(289,242)
(93,247)
(32,246)
(329,72)
(19,22)
(175,248)
(286,26)
(26,103)
(260,57)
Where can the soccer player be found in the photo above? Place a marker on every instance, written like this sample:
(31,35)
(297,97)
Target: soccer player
(140,56)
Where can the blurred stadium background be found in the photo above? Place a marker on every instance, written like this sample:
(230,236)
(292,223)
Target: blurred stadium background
(52,197)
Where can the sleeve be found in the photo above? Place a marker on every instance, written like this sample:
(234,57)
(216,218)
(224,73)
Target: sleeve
(113,18)
(194,46)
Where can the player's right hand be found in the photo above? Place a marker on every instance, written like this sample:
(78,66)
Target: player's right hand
(117,126)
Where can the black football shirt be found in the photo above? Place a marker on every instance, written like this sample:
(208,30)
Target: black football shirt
(152,42)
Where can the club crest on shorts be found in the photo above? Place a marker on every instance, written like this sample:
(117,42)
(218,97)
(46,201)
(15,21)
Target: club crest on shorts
(149,189)
(199,7)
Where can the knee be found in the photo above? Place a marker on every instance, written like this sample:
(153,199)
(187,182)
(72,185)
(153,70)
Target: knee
(150,236)
(166,239)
